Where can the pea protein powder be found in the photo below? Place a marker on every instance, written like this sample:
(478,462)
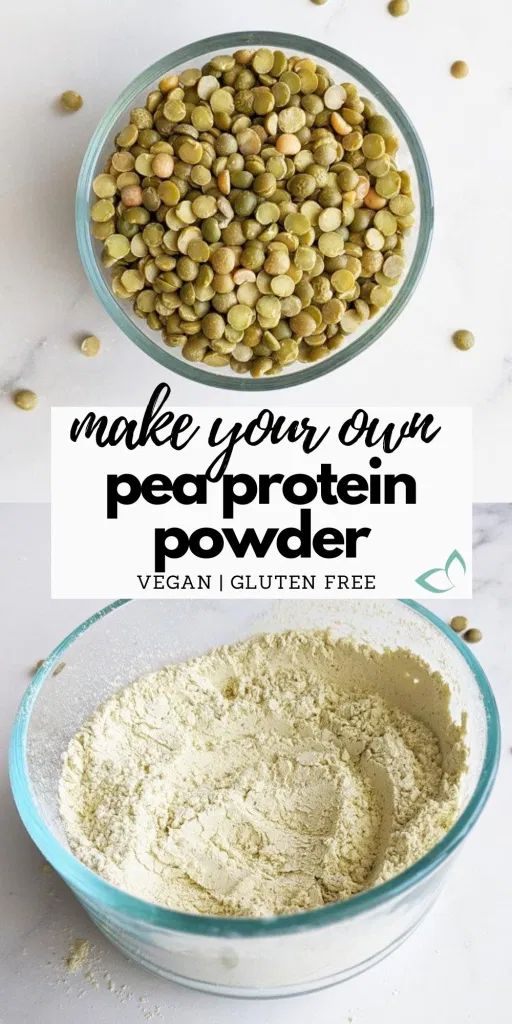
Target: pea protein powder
(278,774)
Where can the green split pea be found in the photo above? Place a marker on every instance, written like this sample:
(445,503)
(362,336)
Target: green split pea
(254,211)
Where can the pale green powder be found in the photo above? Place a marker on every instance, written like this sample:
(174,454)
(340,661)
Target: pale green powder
(78,955)
(267,777)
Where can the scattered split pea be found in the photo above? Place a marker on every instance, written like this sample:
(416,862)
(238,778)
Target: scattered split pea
(25,399)
(459,623)
(397,8)
(91,345)
(459,69)
(71,100)
(472,636)
(463,340)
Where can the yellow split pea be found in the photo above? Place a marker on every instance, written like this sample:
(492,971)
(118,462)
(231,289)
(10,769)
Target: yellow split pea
(397,8)
(90,346)
(459,69)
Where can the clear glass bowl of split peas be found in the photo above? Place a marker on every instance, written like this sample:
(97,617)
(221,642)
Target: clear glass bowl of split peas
(254,210)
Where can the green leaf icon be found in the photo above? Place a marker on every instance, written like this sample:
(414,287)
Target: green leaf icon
(440,581)
(454,560)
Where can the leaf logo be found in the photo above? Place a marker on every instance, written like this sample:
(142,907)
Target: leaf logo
(440,581)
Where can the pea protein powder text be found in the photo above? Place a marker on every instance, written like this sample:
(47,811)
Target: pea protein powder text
(277,774)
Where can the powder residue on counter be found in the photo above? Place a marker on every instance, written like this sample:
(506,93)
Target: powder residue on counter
(78,955)
(277,774)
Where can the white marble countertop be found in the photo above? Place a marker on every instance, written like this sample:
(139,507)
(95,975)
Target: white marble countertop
(97,46)
(454,968)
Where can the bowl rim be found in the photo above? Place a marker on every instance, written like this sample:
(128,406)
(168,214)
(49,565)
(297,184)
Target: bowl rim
(91,887)
(376,328)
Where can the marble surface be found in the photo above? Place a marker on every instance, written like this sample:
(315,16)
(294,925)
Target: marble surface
(454,968)
(97,46)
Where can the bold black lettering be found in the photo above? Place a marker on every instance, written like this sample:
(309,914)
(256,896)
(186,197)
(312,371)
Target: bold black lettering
(352,537)
(300,480)
(390,483)
(199,493)
(249,539)
(324,540)
(303,532)
(232,495)
(205,533)
(352,489)
(115,497)
(156,489)
(164,551)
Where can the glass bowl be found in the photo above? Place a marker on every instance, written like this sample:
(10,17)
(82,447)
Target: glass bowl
(273,956)
(412,159)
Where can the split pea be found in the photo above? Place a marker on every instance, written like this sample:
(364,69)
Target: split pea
(162,165)
(263,61)
(190,152)
(288,144)
(240,317)
(334,97)
(102,211)
(25,399)
(223,260)
(71,100)
(198,250)
(472,636)
(459,623)
(91,345)
(459,69)
(463,340)
(104,186)
(398,8)
(131,195)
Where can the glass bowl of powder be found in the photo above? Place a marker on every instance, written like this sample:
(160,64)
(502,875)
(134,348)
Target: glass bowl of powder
(255,798)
